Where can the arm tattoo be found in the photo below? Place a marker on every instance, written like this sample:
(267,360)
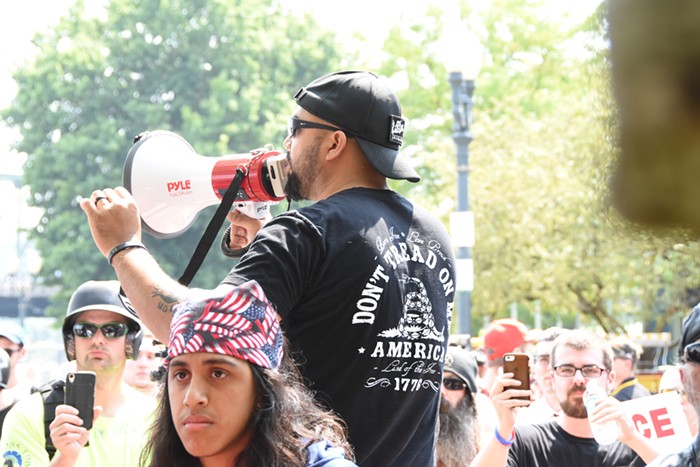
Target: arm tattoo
(167,301)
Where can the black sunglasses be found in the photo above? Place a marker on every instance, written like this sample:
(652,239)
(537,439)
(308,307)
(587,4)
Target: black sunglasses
(109,330)
(691,353)
(454,384)
(295,124)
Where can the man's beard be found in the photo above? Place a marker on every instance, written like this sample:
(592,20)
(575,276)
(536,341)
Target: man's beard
(301,178)
(460,436)
(293,188)
(574,409)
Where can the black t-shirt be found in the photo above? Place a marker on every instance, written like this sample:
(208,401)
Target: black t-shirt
(547,444)
(364,282)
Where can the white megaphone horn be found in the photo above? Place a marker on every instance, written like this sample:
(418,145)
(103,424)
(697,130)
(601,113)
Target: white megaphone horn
(172,183)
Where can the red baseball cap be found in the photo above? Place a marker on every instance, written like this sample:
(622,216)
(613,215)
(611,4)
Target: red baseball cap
(503,336)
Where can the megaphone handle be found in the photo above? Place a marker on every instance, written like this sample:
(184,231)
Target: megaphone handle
(212,229)
(256,210)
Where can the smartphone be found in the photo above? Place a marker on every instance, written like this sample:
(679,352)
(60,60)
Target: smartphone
(80,393)
(519,365)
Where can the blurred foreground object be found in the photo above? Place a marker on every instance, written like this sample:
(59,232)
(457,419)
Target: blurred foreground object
(655,53)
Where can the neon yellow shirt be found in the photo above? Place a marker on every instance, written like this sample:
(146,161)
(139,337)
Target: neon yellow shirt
(114,441)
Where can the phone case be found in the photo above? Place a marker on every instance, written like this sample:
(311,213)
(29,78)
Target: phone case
(519,365)
(80,393)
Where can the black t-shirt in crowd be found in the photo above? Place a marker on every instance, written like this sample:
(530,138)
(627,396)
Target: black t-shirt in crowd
(364,282)
(547,444)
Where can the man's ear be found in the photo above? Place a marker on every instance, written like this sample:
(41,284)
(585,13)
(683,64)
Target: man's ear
(337,143)
(611,380)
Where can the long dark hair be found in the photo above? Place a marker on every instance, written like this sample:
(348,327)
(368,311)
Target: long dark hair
(285,422)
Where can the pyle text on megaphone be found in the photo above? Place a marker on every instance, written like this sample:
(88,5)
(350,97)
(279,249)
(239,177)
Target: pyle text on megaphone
(172,183)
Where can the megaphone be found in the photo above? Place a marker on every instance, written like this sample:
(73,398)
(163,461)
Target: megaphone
(172,183)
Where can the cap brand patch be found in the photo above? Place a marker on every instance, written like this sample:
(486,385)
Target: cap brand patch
(397,127)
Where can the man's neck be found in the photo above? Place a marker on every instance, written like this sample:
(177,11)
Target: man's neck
(109,393)
(349,184)
(575,426)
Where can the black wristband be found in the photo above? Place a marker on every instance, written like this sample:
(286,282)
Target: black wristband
(122,247)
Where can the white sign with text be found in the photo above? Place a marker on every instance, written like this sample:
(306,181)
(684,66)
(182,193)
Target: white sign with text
(661,419)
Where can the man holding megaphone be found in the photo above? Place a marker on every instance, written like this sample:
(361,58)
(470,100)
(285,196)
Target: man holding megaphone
(362,280)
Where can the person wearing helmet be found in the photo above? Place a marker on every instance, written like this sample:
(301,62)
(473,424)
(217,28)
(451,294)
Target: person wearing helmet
(99,334)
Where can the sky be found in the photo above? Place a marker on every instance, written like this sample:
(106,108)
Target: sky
(20,21)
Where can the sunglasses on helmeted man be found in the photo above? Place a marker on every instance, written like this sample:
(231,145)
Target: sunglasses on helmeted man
(109,330)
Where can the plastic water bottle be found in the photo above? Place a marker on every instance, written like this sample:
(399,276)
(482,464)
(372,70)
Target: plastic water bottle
(604,433)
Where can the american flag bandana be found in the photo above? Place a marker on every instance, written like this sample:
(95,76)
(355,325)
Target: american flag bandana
(242,325)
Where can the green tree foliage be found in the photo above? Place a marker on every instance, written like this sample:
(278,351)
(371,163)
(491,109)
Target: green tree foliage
(219,73)
(540,161)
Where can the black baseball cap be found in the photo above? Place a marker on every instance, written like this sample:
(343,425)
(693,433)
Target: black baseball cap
(364,105)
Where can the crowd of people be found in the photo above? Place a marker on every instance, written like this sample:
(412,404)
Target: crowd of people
(478,425)
(327,344)
(549,423)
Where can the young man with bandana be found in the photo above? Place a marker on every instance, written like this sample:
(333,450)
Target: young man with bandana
(233,398)
(363,280)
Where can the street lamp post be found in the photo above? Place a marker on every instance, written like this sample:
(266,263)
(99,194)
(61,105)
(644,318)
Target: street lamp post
(462,222)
